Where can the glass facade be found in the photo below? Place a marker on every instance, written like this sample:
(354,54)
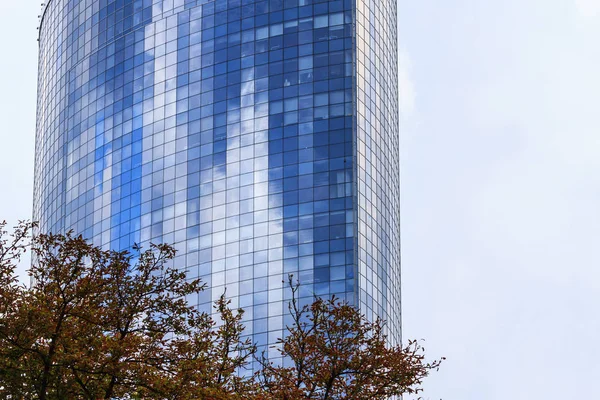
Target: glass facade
(378,162)
(260,137)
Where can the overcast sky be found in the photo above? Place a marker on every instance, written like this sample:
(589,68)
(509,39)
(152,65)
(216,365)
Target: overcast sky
(500,187)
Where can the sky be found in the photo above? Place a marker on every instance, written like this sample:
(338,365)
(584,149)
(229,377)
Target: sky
(18,82)
(500,170)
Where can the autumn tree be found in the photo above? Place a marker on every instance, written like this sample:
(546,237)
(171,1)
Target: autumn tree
(96,324)
(99,324)
(334,352)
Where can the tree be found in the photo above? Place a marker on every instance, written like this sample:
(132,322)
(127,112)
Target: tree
(335,353)
(98,324)
(102,324)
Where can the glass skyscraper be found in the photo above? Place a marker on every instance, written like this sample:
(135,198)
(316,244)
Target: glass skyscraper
(260,137)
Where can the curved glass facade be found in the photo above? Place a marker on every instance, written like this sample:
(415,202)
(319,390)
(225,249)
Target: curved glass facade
(378,162)
(258,137)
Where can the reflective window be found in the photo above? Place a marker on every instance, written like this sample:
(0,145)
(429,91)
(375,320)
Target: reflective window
(258,137)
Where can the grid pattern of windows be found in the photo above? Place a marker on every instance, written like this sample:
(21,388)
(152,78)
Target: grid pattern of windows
(377,159)
(227,128)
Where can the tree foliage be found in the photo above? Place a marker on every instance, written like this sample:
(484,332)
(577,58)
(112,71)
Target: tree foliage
(334,352)
(98,324)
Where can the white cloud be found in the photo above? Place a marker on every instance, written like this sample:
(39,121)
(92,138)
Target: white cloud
(406,87)
(500,186)
(588,8)
(17,111)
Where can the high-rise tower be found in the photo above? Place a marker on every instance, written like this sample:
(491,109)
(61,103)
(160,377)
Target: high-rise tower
(260,137)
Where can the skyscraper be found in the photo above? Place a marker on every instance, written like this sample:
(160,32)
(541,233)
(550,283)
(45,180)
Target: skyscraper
(260,137)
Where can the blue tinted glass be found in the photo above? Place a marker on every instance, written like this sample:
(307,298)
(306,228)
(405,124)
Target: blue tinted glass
(260,138)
